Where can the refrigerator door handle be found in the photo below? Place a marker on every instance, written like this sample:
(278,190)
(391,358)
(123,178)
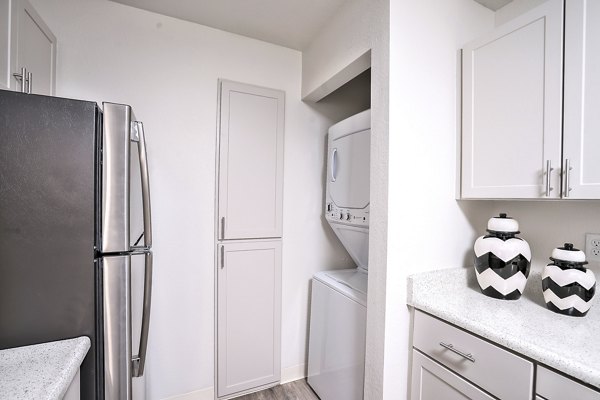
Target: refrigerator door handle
(139,360)
(139,137)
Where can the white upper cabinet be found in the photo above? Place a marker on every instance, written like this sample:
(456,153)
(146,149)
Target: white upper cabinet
(582,100)
(26,45)
(512,108)
(250,162)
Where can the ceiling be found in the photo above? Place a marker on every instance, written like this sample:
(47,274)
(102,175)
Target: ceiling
(493,4)
(289,23)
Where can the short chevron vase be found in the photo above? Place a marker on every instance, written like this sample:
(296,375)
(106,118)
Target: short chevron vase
(502,260)
(568,286)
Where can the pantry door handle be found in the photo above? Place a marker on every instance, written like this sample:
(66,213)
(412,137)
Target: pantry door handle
(450,347)
(549,170)
(222,256)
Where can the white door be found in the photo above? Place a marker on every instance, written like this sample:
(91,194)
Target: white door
(250,162)
(248,315)
(431,381)
(512,108)
(34,49)
(582,100)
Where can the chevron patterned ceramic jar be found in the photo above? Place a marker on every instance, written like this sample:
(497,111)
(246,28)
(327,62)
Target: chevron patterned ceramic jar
(502,260)
(568,285)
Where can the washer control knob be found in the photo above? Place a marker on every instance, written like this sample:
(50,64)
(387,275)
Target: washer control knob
(328,206)
(348,216)
(341,215)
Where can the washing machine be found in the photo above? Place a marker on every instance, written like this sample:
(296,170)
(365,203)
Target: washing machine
(336,347)
(336,354)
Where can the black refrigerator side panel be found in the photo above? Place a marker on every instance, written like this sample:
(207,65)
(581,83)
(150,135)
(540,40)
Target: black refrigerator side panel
(47,217)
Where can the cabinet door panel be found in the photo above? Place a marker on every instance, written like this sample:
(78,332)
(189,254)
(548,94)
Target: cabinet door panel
(248,316)
(582,98)
(251,162)
(431,381)
(35,49)
(512,106)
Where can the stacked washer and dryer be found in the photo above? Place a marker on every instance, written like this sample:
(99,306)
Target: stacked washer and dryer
(336,355)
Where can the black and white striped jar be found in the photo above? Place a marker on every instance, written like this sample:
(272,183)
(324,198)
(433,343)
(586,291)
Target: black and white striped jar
(568,286)
(502,260)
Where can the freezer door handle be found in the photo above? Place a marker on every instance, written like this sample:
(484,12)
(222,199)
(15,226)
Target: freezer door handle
(139,137)
(139,360)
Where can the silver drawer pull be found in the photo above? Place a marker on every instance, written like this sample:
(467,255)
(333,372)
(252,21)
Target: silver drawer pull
(450,347)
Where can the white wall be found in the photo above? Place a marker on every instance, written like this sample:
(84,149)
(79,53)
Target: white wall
(428,228)
(168,70)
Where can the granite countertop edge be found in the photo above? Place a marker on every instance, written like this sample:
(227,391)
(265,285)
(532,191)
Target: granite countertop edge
(461,281)
(41,371)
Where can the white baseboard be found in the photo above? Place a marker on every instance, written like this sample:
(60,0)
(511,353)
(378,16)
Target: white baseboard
(289,374)
(203,394)
(294,373)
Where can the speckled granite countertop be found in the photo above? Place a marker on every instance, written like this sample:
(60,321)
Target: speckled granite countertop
(42,371)
(567,344)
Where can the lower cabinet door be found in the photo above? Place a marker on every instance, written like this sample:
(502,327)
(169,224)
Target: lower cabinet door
(431,381)
(248,315)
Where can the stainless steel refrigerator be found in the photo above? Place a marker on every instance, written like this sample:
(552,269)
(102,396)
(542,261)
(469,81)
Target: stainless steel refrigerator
(75,234)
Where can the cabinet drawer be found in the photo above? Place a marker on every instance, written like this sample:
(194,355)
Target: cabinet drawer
(553,386)
(503,374)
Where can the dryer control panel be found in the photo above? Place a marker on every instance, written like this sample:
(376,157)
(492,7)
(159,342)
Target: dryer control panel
(347,215)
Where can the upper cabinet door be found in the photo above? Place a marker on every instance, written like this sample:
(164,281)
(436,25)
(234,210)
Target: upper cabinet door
(33,47)
(250,162)
(582,100)
(512,108)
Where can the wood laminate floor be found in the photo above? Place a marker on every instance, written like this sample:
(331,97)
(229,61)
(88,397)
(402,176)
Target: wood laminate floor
(297,390)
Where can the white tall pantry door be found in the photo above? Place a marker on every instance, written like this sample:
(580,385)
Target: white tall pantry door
(250,162)
(249,235)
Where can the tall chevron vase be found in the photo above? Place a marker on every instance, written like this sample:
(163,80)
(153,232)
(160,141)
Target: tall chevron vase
(568,285)
(502,260)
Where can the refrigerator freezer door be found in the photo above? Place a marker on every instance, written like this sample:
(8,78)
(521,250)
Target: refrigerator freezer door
(127,285)
(116,279)
(115,178)
(126,223)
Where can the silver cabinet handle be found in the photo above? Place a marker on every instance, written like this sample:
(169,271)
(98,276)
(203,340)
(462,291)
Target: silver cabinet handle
(222,256)
(568,169)
(140,138)
(22,77)
(29,82)
(139,360)
(549,170)
(333,165)
(450,347)
(222,227)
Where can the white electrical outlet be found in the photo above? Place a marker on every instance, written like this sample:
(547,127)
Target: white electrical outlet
(592,246)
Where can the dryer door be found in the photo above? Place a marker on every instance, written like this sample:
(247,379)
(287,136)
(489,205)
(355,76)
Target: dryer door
(348,170)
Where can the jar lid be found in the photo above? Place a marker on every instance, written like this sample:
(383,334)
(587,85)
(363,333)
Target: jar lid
(569,254)
(503,223)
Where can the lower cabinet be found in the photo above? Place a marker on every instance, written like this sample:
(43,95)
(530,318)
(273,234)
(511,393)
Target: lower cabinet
(431,381)
(553,386)
(451,364)
(498,372)
(248,315)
